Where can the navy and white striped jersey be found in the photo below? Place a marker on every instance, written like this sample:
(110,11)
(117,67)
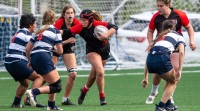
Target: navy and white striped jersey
(44,42)
(169,43)
(16,50)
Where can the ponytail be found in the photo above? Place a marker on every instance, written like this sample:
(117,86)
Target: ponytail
(97,16)
(157,38)
(42,29)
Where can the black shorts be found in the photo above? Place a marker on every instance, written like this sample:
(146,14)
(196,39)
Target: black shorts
(67,49)
(103,52)
(19,70)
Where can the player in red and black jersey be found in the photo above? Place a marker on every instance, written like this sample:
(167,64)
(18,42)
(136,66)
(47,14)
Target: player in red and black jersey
(66,21)
(97,49)
(165,12)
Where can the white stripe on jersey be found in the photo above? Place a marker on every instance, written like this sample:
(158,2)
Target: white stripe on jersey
(42,44)
(164,43)
(17,47)
(17,56)
(51,35)
(23,37)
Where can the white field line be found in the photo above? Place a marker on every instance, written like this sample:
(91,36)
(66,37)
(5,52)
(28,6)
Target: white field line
(124,74)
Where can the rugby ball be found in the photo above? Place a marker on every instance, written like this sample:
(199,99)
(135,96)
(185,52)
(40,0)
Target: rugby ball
(100,29)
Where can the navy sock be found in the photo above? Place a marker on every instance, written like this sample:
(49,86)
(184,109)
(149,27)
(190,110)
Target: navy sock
(17,101)
(168,102)
(161,104)
(36,91)
(51,104)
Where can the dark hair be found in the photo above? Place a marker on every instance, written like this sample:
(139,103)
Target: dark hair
(27,20)
(90,15)
(167,26)
(66,8)
(166,2)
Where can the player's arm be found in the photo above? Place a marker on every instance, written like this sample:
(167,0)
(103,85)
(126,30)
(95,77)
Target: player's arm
(29,47)
(145,80)
(190,31)
(150,36)
(181,60)
(111,29)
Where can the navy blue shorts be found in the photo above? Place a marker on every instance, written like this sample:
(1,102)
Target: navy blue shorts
(41,63)
(19,70)
(103,52)
(158,63)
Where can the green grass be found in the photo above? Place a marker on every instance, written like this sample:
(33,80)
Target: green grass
(123,93)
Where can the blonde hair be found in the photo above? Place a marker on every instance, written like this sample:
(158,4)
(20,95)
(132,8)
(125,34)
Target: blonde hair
(48,17)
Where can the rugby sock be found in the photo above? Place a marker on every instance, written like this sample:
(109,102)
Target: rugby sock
(17,101)
(85,89)
(102,95)
(154,89)
(161,104)
(51,104)
(65,99)
(168,102)
(36,91)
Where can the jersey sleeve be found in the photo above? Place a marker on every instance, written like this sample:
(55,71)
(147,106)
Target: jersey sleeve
(183,17)
(59,23)
(95,23)
(76,29)
(76,21)
(152,23)
(106,24)
(33,38)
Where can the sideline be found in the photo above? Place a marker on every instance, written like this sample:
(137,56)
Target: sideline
(125,74)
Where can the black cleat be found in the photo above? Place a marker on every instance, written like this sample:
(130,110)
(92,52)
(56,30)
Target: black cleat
(103,101)
(171,107)
(158,108)
(17,106)
(68,102)
(81,97)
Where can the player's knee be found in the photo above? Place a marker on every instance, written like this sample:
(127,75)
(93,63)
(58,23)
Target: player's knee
(100,74)
(72,73)
(55,87)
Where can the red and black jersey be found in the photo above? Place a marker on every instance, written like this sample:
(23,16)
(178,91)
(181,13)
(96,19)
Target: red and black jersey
(88,33)
(178,16)
(60,24)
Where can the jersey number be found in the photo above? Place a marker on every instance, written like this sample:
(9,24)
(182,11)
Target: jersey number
(39,37)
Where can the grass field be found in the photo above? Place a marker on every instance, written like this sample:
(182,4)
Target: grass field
(123,92)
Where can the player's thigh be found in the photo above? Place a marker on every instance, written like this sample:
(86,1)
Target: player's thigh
(169,76)
(95,60)
(52,76)
(69,60)
(174,57)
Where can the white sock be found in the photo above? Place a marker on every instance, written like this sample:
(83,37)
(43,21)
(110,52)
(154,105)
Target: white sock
(154,89)
(65,99)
